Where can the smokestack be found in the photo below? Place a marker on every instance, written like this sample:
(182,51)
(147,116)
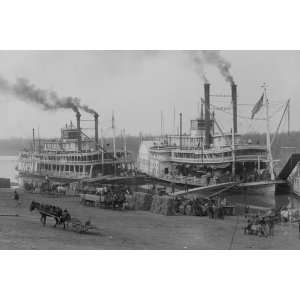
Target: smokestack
(234,106)
(78,115)
(180,131)
(96,116)
(207,114)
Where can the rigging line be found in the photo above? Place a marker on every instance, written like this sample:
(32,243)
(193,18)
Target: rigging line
(243,117)
(248,118)
(278,110)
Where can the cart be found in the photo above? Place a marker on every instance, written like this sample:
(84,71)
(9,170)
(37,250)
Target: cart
(81,227)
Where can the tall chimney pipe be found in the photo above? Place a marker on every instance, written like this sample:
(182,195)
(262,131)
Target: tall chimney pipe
(234,106)
(78,115)
(207,114)
(180,131)
(96,116)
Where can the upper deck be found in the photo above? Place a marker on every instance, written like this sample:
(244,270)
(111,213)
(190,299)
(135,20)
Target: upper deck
(167,148)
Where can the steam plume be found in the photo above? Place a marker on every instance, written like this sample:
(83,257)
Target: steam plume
(198,64)
(47,100)
(214,57)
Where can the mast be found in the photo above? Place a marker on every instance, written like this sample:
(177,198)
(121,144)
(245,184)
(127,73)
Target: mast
(270,158)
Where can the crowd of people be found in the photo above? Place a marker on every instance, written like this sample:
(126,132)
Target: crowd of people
(215,208)
(262,226)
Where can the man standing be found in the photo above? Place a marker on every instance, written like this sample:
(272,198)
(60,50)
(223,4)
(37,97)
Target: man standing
(17,198)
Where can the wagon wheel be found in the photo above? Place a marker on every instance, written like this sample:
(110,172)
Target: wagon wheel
(77,227)
(84,229)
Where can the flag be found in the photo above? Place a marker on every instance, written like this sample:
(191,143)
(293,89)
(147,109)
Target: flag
(257,106)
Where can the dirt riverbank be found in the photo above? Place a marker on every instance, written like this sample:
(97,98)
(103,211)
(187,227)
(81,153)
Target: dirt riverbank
(128,229)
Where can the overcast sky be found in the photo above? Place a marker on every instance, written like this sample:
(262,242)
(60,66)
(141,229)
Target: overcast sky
(138,85)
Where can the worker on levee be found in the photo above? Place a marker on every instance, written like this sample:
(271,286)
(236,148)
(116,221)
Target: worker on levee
(17,198)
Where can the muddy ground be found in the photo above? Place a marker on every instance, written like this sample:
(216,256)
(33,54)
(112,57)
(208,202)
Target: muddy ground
(128,229)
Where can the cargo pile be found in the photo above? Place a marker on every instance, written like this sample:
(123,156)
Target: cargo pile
(139,201)
(163,205)
(143,201)
(4,183)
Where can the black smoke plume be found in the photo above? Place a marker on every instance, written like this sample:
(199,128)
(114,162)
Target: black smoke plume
(198,64)
(47,100)
(214,57)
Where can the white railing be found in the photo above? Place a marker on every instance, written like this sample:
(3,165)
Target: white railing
(219,160)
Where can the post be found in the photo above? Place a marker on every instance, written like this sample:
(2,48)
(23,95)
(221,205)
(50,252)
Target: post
(102,152)
(234,106)
(39,144)
(207,114)
(233,152)
(125,145)
(289,112)
(114,140)
(78,115)
(180,131)
(96,116)
(33,140)
(174,120)
(270,158)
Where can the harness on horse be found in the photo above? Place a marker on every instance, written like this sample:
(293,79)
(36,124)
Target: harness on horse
(46,210)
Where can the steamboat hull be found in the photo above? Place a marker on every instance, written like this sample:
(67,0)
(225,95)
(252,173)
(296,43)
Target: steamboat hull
(261,194)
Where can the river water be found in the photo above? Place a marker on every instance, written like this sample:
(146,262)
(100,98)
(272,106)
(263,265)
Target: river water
(7,167)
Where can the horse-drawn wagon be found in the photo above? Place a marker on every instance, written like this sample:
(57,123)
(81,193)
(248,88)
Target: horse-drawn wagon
(61,217)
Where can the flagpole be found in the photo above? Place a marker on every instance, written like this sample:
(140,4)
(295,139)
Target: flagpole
(270,158)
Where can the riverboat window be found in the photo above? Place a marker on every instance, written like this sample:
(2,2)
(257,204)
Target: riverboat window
(67,168)
(250,152)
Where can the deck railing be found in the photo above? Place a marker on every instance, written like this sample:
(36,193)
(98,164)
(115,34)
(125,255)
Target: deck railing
(219,160)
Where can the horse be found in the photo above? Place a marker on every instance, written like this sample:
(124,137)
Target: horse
(36,205)
(61,190)
(45,210)
(65,218)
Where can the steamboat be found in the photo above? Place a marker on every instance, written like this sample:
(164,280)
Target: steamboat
(210,157)
(72,158)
